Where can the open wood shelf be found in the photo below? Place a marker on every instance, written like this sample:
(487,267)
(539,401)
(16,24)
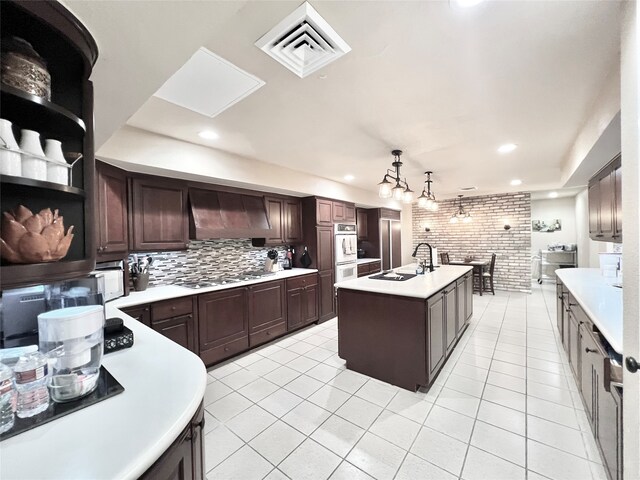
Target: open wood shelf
(29,182)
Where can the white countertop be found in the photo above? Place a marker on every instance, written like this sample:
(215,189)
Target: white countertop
(360,261)
(165,292)
(601,301)
(420,286)
(122,436)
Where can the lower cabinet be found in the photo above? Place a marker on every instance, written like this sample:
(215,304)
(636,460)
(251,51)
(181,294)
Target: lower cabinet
(175,319)
(184,459)
(592,368)
(327,297)
(436,326)
(461,304)
(468,293)
(223,319)
(302,301)
(365,269)
(267,312)
(451,315)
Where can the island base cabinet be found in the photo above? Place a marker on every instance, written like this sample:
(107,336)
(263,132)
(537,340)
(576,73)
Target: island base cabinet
(436,327)
(383,337)
(609,433)
(468,294)
(184,459)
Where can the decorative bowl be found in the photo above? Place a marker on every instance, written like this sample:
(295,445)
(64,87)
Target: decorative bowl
(24,69)
(34,238)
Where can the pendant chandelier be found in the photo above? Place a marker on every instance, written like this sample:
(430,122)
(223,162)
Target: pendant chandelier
(427,199)
(394,186)
(460,215)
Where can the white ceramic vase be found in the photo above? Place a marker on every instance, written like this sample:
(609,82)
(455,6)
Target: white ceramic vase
(57,171)
(32,167)
(10,162)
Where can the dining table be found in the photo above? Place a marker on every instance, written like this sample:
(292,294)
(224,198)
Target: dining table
(478,268)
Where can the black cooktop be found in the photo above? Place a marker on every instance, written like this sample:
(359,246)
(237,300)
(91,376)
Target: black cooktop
(107,387)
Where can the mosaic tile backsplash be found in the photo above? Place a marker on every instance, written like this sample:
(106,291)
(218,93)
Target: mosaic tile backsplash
(206,259)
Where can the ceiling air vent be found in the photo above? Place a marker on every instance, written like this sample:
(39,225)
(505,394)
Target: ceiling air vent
(303,42)
(468,189)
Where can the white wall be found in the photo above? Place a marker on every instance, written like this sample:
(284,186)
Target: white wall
(563,209)
(587,249)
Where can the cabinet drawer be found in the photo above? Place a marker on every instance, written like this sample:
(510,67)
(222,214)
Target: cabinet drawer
(227,350)
(267,334)
(375,267)
(171,308)
(363,269)
(303,281)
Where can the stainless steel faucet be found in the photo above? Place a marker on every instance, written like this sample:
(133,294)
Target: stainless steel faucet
(415,252)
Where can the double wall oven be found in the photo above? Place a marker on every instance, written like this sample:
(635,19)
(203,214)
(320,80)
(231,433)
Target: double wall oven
(346,247)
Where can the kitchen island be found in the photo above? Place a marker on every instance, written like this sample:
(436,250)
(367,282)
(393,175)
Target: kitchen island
(401,332)
(122,436)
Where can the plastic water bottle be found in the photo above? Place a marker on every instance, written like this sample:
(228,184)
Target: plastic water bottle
(32,375)
(7,399)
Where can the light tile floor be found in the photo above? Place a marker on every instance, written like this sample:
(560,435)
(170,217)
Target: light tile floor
(505,406)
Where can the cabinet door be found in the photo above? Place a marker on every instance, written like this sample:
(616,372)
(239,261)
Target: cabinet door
(349,212)
(159,217)
(435,333)
(361,221)
(591,366)
(461,303)
(310,303)
(324,209)
(112,226)
(293,221)
(276,219)
(609,430)
(468,292)
(267,305)
(176,463)
(594,209)
(338,212)
(326,301)
(617,211)
(450,315)
(223,317)
(140,313)
(574,347)
(374,268)
(178,329)
(385,246)
(295,302)
(607,201)
(363,270)
(324,236)
(559,309)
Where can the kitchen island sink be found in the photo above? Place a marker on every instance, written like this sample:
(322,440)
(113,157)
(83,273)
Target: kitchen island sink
(403,332)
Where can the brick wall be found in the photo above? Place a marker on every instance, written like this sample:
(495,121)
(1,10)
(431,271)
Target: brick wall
(484,235)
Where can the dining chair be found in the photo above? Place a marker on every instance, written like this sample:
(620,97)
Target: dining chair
(444,258)
(488,276)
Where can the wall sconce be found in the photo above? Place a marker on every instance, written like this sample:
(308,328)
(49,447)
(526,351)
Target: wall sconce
(427,229)
(507,226)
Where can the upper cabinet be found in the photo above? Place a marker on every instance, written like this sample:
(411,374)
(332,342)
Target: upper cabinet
(362,224)
(605,203)
(158,218)
(112,230)
(61,110)
(285,218)
(324,212)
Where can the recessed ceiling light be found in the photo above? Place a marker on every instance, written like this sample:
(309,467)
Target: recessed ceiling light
(467,3)
(349,177)
(507,147)
(553,195)
(208,134)
(516,182)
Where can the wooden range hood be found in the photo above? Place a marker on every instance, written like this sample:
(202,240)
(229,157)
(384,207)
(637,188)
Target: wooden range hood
(217,214)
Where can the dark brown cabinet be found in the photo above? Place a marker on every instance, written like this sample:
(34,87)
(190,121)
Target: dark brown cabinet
(338,212)
(267,312)
(159,215)
(324,212)
(327,297)
(302,301)
(368,268)
(112,230)
(450,311)
(69,52)
(285,217)
(591,373)
(184,459)
(362,217)
(324,241)
(349,212)
(605,203)
(436,327)
(223,324)
(140,313)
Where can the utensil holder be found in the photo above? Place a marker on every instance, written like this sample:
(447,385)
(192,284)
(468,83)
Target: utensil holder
(140,281)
